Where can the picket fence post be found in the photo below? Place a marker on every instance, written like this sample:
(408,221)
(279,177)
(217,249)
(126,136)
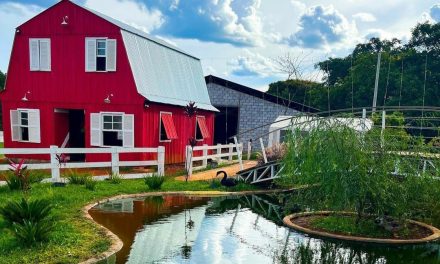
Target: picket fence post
(161,161)
(115,160)
(205,156)
(54,164)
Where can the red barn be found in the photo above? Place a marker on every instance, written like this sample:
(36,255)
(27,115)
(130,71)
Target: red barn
(78,79)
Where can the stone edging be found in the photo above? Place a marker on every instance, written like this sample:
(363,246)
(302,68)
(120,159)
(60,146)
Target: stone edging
(288,222)
(116,242)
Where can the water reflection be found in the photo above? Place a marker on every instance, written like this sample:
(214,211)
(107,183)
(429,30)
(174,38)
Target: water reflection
(234,229)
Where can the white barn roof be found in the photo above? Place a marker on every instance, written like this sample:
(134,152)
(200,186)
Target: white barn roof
(162,72)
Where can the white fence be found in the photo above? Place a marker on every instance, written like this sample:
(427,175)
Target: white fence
(115,163)
(217,155)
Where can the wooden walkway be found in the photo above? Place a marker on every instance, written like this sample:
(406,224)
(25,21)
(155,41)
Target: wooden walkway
(209,174)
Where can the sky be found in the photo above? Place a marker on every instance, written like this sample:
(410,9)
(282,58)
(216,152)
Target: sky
(240,40)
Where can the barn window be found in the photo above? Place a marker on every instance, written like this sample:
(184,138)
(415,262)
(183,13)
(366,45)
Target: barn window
(100,55)
(25,125)
(112,129)
(202,131)
(167,129)
(112,134)
(39,54)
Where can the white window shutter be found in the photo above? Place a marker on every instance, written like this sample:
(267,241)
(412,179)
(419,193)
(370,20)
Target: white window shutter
(34,126)
(128,128)
(15,129)
(44,54)
(34,54)
(90,54)
(111,55)
(95,129)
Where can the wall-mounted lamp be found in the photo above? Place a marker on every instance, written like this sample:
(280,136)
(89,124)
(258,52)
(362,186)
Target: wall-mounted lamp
(65,21)
(25,99)
(146,105)
(17,30)
(107,99)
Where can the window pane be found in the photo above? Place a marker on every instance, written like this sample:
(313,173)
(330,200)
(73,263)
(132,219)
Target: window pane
(117,126)
(101,44)
(101,52)
(100,63)
(24,122)
(24,114)
(107,125)
(111,138)
(24,133)
(107,118)
(117,118)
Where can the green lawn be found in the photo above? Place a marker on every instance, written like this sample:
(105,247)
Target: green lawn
(75,238)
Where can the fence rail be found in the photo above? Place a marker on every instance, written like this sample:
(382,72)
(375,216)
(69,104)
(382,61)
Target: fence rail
(217,155)
(54,165)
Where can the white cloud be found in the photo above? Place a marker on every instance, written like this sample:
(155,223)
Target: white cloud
(253,64)
(12,15)
(131,12)
(365,17)
(322,27)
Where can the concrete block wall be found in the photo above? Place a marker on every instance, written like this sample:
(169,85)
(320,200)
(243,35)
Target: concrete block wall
(254,112)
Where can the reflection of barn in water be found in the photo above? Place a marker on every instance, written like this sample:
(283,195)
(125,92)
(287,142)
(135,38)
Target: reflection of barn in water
(127,223)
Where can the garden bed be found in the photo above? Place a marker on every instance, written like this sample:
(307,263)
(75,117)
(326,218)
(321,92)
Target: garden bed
(341,226)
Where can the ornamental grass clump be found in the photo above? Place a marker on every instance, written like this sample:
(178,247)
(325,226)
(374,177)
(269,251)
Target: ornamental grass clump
(154,182)
(31,221)
(355,171)
(74,177)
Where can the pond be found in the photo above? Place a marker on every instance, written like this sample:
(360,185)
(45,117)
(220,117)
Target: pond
(231,229)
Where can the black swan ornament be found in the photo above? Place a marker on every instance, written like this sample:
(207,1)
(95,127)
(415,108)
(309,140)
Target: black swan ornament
(225,181)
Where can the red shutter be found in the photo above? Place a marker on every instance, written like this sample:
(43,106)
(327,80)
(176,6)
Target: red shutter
(168,123)
(203,127)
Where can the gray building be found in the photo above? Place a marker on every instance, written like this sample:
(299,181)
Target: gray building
(245,111)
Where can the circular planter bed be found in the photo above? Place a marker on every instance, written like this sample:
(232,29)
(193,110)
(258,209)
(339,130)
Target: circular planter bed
(420,232)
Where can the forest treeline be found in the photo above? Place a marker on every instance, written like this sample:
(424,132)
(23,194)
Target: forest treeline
(409,75)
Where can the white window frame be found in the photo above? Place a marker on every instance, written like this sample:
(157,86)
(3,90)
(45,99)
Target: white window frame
(96,40)
(112,114)
(197,124)
(160,126)
(39,40)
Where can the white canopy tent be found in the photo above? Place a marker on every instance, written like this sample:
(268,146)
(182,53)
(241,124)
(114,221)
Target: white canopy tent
(282,124)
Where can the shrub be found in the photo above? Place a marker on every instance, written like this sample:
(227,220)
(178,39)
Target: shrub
(30,221)
(75,177)
(19,178)
(13,182)
(29,233)
(154,181)
(17,212)
(276,152)
(115,178)
(90,184)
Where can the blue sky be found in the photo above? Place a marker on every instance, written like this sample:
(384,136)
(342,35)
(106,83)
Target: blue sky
(239,39)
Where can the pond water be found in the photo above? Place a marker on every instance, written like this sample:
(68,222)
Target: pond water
(232,229)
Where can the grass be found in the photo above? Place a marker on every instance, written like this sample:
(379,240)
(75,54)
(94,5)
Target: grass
(347,225)
(76,239)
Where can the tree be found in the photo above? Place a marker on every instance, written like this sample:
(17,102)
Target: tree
(2,80)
